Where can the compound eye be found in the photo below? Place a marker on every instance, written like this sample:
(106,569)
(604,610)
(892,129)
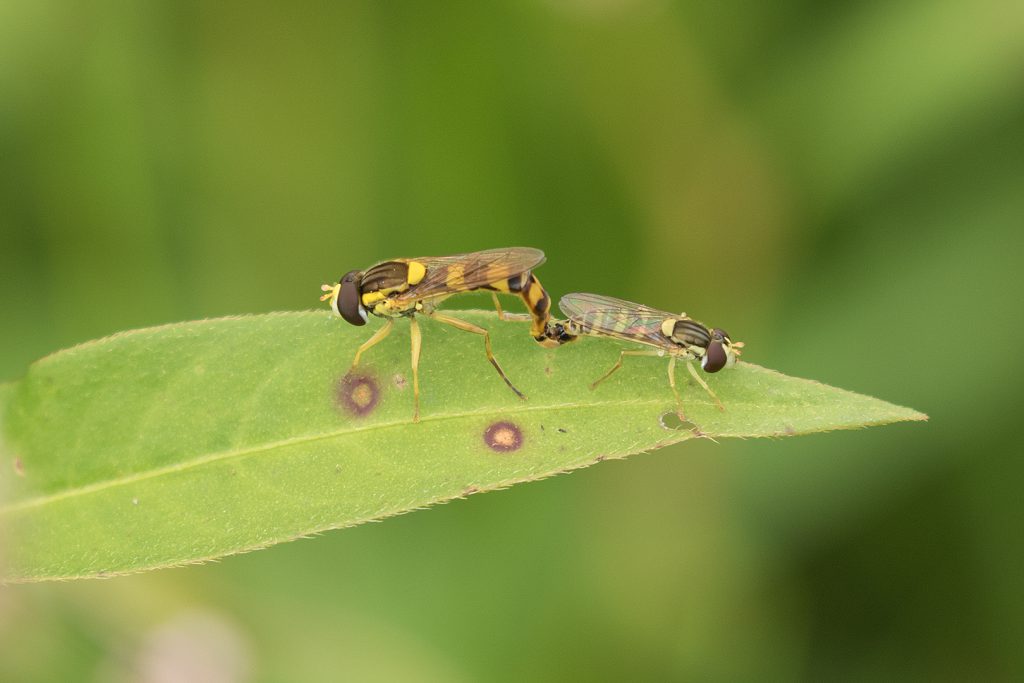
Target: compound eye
(714,358)
(350,307)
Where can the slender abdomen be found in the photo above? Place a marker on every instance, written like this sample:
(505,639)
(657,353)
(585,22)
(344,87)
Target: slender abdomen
(537,301)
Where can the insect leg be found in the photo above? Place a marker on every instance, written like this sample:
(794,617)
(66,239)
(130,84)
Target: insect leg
(700,381)
(497,306)
(417,344)
(618,364)
(470,327)
(672,383)
(505,315)
(377,337)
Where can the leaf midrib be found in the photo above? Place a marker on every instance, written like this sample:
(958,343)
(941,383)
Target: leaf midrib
(298,440)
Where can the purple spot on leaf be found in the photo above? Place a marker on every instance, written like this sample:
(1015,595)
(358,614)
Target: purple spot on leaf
(358,394)
(503,437)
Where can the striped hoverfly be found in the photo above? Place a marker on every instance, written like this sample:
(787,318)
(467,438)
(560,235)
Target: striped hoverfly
(675,336)
(407,287)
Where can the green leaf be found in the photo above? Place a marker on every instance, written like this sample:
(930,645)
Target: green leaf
(188,442)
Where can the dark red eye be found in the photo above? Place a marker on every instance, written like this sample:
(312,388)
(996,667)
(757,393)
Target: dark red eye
(349,305)
(714,358)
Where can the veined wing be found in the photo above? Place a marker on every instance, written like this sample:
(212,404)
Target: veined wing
(617,317)
(463,272)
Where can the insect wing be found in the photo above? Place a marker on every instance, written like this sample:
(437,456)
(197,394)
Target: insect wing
(463,272)
(616,317)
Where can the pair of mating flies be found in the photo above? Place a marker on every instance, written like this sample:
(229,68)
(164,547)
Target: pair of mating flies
(403,288)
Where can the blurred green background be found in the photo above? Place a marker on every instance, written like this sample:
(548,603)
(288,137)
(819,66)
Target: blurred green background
(839,185)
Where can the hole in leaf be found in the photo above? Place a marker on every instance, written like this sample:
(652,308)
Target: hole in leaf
(672,422)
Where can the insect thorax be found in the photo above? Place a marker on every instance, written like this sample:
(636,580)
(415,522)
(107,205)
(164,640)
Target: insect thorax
(686,332)
(386,279)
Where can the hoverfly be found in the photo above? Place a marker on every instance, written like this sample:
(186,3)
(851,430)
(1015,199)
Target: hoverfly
(405,287)
(677,336)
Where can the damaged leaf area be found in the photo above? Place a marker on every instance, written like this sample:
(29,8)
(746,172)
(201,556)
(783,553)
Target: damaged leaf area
(189,442)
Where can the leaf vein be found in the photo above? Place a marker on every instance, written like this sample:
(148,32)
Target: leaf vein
(311,438)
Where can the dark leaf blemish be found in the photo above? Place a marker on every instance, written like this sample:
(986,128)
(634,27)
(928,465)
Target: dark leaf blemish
(400,381)
(19,467)
(358,394)
(564,431)
(503,437)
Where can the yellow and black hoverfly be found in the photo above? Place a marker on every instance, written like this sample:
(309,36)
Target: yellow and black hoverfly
(405,287)
(677,336)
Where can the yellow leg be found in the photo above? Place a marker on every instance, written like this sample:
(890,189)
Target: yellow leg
(502,315)
(672,383)
(518,317)
(470,327)
(377,337)
(497,306)
(700,381)
(417,344)
(618,364)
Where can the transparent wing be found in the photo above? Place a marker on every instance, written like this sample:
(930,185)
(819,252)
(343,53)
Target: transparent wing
(464,272)
(616,317)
